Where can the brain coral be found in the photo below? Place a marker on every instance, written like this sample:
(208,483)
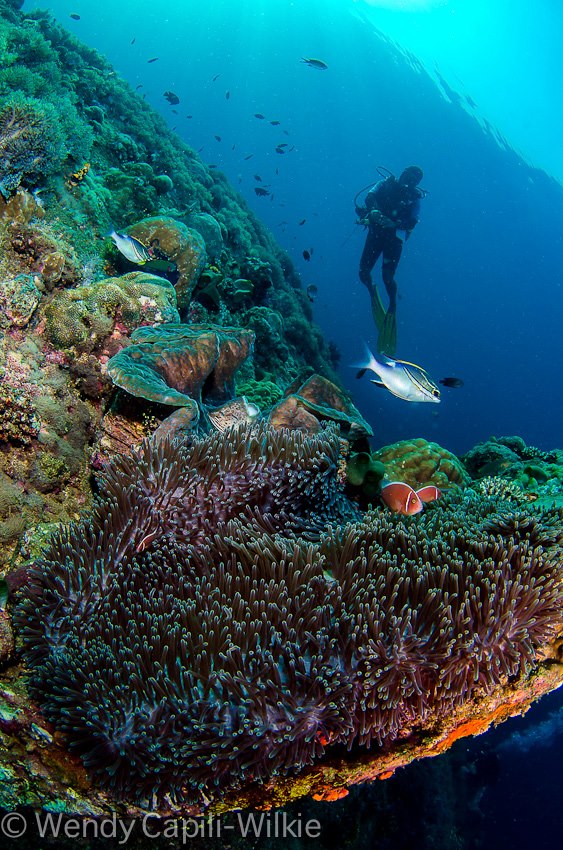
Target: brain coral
(418,462)
(186,641)
(84,317)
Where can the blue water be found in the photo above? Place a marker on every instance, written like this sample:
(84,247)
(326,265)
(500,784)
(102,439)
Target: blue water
(479,281)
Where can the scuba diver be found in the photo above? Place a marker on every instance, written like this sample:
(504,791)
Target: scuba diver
(390,212)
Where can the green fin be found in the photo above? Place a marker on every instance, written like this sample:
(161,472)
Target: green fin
(387,342)
(377,310)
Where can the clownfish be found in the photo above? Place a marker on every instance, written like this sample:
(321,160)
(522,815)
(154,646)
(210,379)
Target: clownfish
(403,499)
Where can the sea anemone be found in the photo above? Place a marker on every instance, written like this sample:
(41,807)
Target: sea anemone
(224,616)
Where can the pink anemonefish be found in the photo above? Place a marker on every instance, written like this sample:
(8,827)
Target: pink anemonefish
(402,499)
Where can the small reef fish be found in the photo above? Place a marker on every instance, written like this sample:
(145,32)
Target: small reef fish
(131,248)
(451,382)
(315,63)
(302,222)
(307,254)
(260,191)
(259,115)
(218,138)
(132,41)
(403,379)
(216,77)
(227,95)
(74,16)
(403,499)
(140,86)
(154,59)
(257,177)
(250,155)
(172,98)
(275,123)
(311,291)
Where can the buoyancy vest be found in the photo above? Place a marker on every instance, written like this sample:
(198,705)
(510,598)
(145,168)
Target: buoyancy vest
(396,201)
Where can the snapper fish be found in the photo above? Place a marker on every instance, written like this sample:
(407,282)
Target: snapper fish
(131,248)
(403,379)
(232,413)
(404,499)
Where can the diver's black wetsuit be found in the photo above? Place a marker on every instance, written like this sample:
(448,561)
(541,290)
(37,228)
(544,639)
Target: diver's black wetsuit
(389,206)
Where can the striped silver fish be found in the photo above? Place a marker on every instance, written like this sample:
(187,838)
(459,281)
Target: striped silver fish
(131,248)
(405,380)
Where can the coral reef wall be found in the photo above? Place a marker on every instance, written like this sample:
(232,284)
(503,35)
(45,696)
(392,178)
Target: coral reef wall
(83,154)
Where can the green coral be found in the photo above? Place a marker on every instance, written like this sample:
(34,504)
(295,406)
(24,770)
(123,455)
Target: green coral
(364,476)
(264,394)
(31,141)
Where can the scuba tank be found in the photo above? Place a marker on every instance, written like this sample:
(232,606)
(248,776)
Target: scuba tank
(385,174)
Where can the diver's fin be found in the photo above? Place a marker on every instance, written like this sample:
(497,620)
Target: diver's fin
(362,372)
(377,309)
(387,342)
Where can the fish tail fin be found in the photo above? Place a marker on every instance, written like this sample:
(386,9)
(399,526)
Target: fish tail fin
(371,362)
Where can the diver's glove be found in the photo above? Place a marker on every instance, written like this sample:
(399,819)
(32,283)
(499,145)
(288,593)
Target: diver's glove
(377,218)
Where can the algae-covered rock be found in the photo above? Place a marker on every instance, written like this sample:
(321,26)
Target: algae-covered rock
(532,469)
(210,229)
(19,298)
(489,458)
(83,318)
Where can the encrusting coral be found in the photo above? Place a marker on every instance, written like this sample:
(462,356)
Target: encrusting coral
(215,624)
